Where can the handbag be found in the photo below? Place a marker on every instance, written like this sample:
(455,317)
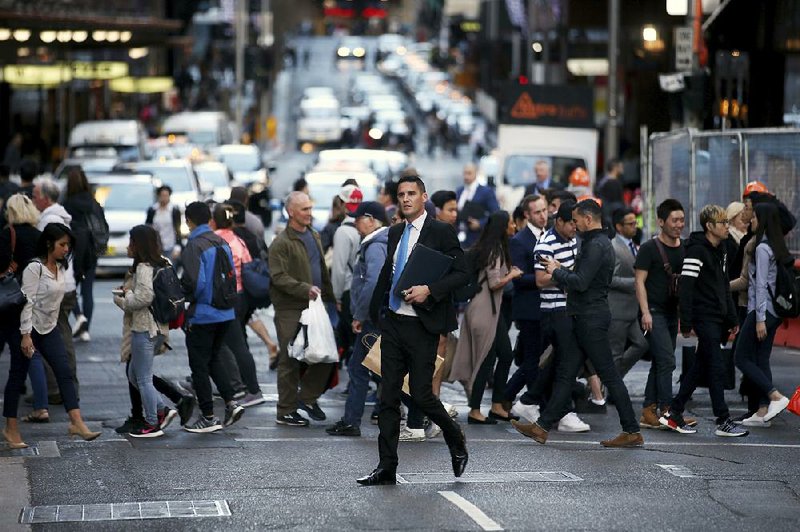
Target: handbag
(11,295)
(794,403)
(373,360)
(314,342)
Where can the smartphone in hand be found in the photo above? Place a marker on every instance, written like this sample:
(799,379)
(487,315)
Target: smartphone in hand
(118,292)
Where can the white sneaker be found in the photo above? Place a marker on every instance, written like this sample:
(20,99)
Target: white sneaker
(79,323)
(407,434)
(756,421)
(529,412)
(775,408)
(572,423)
(84,337)
(450,409)
(432,431)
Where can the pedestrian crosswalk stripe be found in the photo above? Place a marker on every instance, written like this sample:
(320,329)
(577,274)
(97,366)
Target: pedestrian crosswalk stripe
(474,513)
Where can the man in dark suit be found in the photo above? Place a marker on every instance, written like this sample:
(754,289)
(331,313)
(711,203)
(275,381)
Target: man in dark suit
(410,328)
(525,304)
(544,180)
(476,195)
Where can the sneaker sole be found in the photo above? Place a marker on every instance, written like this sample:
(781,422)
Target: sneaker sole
(679,430)
(171,414)
(289,424)
(155,434)
(575,430)
(237,415)
(770,417)
(204,430)
(413,440)
(723,434)
(254,402)
(650,426)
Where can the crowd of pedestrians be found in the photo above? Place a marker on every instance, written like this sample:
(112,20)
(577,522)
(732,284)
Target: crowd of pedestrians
(568,269)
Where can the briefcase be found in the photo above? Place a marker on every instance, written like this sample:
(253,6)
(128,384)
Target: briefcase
(729,380)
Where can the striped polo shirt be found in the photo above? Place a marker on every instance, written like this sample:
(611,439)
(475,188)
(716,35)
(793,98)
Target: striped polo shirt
(564,251)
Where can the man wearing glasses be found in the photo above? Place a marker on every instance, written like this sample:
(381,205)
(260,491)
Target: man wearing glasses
(624,328)
(707,308)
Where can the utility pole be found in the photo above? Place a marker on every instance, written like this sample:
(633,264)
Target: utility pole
(241,40)
(265,42)
(612,119)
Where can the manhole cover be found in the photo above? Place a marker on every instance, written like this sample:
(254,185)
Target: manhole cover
(123,511)
(485,478)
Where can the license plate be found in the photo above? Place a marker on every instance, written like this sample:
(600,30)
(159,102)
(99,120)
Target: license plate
(111,251)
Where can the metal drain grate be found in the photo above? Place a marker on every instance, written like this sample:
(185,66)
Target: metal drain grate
(123,511)
(486,478)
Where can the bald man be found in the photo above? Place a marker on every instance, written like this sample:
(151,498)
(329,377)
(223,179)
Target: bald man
(475,203)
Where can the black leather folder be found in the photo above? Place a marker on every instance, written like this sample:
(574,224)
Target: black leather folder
(425,266)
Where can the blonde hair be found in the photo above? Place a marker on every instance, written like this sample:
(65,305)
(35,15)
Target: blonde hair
(711,213)
(21,210)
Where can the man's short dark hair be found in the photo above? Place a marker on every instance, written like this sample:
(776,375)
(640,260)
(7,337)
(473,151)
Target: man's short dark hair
(564,212)
(591,208)
(619,215)
(239,194)
(518,214)
(162,188)
(350,181)
(611,163)
(667,207)
(527,200)
(198,213)
(412,178)
(563,195)
(28,170)
(299,184)
(440,197)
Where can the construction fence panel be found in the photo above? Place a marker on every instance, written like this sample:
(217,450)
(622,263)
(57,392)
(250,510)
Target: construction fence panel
(670,172)
(773,157)
(717,181)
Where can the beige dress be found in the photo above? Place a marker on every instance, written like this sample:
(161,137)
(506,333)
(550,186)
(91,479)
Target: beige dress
(479,326)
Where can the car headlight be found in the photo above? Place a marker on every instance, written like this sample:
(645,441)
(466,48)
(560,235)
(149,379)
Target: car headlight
(343,51)
(375,133)
(359,52)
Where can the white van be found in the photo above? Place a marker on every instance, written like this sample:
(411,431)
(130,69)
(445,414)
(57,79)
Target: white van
(207,129)
(124,140)
(320,122)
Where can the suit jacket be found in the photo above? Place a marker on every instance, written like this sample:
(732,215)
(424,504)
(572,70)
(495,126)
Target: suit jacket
(622,292)
(535,188)
(486,197)
(525,304)
(437,313)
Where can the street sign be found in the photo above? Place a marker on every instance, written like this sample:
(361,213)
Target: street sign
(672,82)
(684,50)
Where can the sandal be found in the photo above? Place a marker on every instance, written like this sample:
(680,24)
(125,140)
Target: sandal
(31,418)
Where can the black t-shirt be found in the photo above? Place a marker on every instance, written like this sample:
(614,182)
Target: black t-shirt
(314,256)
(657,283)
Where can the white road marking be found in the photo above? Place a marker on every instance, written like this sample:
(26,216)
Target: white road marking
(474,513)
(678,470)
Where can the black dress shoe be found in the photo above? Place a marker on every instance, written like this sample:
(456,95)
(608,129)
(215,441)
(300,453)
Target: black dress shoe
(459,456)
(485,421)
(379,477)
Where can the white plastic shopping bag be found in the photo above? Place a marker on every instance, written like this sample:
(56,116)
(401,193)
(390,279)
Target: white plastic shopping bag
(314,342)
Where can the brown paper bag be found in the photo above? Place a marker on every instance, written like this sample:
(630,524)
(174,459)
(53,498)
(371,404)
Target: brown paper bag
(373,363)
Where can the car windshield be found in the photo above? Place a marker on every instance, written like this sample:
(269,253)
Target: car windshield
(217,177)
(176,177)
(202,137)
(519,170)
(123,153)
(124,196)
(241,162)
(320,112)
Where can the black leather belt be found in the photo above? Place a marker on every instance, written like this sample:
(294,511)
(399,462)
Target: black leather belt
(402,317)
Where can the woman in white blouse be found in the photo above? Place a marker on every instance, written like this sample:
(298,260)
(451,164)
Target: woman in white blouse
(43,286)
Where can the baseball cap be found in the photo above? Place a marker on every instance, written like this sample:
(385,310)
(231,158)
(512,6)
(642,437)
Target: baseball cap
(351,195)
(565,210)
(371,208)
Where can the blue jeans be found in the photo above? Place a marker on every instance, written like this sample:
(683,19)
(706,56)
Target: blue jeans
(662,338)
(708,360)
(38,378)
(359,377)
(140,374)
(752,355)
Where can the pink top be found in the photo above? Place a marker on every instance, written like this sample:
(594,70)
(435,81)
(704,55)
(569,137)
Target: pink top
(240,253)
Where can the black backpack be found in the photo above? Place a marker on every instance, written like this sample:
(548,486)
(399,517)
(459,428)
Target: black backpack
(98,228)
(786,299)
(169,301)
(223,289)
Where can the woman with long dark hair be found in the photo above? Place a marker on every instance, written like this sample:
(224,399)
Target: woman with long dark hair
(483,321)
(754,344)
(81,205)
(142,336)
(43,286)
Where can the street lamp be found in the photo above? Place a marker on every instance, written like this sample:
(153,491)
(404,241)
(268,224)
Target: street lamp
(64,36)
(80,35)
(125,36)
(112,36)
(99,35)
(649,34)
(5,34)
(22,35)
(47,36)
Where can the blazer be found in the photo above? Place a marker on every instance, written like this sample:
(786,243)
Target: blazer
(622,292)
(437,313)
(525,303)
(486,197)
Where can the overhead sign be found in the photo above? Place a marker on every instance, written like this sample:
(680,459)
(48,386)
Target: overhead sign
(684,50)
(36,74)
(98,69)
(147,85)
(548,105)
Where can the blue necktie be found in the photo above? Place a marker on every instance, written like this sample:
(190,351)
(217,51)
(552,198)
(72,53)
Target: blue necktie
(633,247)
(395,301)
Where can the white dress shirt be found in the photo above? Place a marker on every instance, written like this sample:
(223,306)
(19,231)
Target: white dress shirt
(416,227)
(536,231)
(467,194)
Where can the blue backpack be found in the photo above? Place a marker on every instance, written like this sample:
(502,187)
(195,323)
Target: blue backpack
(256,281)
